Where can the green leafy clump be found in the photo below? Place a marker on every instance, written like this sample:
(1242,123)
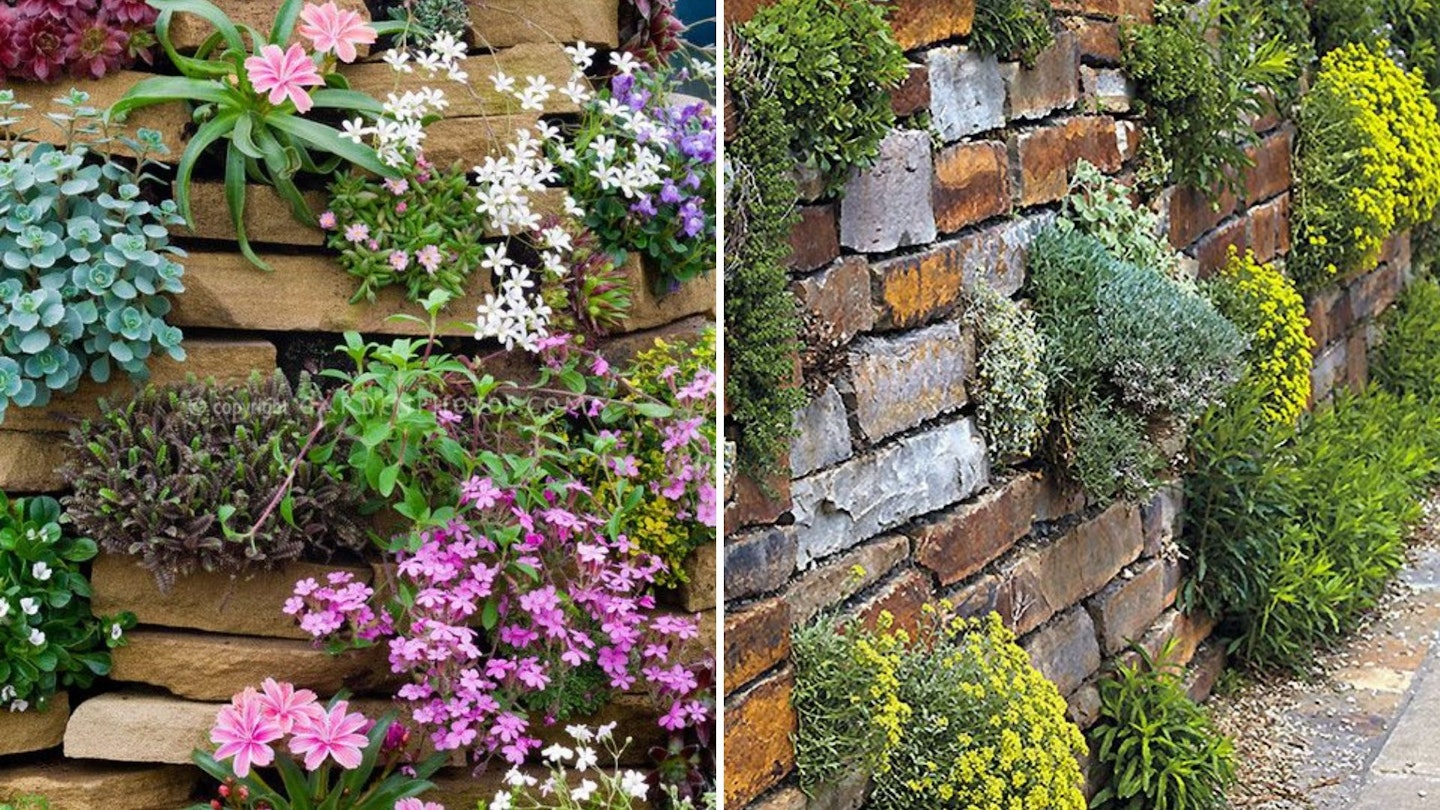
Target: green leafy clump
(429,17)
(85,259)
(1293,539)
(199,478)
(1018,29)
(1100,207)
(1367,162)
(762,323)
(1162,749)
(1010,380)
(1200,75)
(1408,360)
(50,638)
(833,63)
(1134,357)
(1407,30)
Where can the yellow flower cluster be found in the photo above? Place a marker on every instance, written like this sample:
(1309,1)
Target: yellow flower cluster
(1265,304)
(1368,160)
(882,656)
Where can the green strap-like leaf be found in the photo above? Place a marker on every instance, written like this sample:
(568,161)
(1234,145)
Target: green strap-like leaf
(212,131)
(165,89)
(235,199)
(285,23)
(280,173)
(327,139)
(333,99)
(207,11)
(242,138)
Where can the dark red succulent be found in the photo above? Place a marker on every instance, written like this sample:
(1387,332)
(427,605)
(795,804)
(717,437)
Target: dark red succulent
(95,48)
(55,9)
(38,43)
(130,13)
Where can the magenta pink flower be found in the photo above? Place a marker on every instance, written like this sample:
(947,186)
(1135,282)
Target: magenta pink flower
(331,30)
(287,706)
(284,74)
(416,804)
(334,734)
(242,731)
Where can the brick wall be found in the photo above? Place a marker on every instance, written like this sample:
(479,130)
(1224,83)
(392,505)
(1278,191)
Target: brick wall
(888,471)
(127,742)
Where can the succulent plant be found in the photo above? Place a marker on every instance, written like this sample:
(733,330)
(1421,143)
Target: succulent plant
(85,259)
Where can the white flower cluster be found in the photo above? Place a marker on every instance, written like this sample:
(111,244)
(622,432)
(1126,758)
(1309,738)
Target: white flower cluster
(616,790)
(399,135)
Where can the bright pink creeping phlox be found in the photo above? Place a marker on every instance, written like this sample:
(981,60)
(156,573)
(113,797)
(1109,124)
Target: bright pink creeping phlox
(332,30)
(284,74)
(244,732)
(335,734)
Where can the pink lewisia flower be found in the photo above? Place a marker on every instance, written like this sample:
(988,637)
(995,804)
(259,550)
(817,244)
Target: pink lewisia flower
(284,74)
(242,731)
(335,735)
(416,804)
(287,706)
(332,30)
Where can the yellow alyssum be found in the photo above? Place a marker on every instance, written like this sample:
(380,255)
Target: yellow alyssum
(1266,306)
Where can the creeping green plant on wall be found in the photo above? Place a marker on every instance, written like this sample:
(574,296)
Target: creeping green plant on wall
(85,258)
(832,64)
(1018,29)
(1010,379)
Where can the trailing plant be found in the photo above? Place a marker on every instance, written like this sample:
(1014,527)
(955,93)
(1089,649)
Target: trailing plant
(85,259)
(1367,162)
(43,40)
(1133,356)
(1099,206)
(329,755)
(211,478)
(49,637)
(831,65)
(1200,75)
(1162,749)
(255,92)
(846,699)
(1407,361)
(428,17)
(589,786)
(762,324)
(1010,380)
(1266,306)
(1013,29)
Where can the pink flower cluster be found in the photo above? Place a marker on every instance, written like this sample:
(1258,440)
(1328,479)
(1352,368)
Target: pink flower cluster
(248,729)
(513,596)
(43,40)
(285,74)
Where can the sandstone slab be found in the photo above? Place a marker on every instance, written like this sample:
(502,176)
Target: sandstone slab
(888,205)
(101,786)
(1052,84)
(902,381)
(28,462)
(512,22)
(170,120)
(33,730)
(758,726)
(187,31)
(962,540)
(120,727)
(212,602)
(844,576)
(972,183)
(967,92)
(542,58)
(1065,651)
(1080,562)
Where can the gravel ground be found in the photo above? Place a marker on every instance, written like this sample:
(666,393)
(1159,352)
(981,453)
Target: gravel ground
(1305,742)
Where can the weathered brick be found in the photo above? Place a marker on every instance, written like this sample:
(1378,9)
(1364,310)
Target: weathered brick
(1205,670)
(1213,251)
(758,725)
(1106,89)
(838,508)
(1271,173)
(1099,41)
(1192,214)
(34,730)
(901,381)
(1270,228)
(1374,292)
(839,298)
(496,25)
(1083,705)
(916,289)
(1127,606)
(922,22)
(756,503)
(888,205)
(1161,517)
(1329,371)
(1047,154)
(913,94)
(837,580)
(1052,84)
(758,562)
(757,637)
(902,598)
(972,183)
(964,539)
(1065,651)
(1187,630)
(967,93)
(698,592)
(822,435)
(68,785)
(815,240)
(1080,562)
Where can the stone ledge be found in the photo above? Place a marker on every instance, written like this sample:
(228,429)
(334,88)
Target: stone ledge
(24,732)
(138,728)
(97,786)
(519,21)
(28,462)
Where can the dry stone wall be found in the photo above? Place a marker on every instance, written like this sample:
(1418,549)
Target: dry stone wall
(888,472)
(126,744)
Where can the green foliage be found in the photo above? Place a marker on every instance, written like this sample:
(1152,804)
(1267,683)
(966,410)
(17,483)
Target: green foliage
(1010,382)
(1408,31)
(1367,162)
(1293,541)
(1013,29)
(198,478)
(833,63)
(49,637)
(1133,356)
(1200,74)
(431,17)
(85,260)
(1407,362)
(1163,750)
(761,321)
(1100,207)
(1343,22)
(264,142)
